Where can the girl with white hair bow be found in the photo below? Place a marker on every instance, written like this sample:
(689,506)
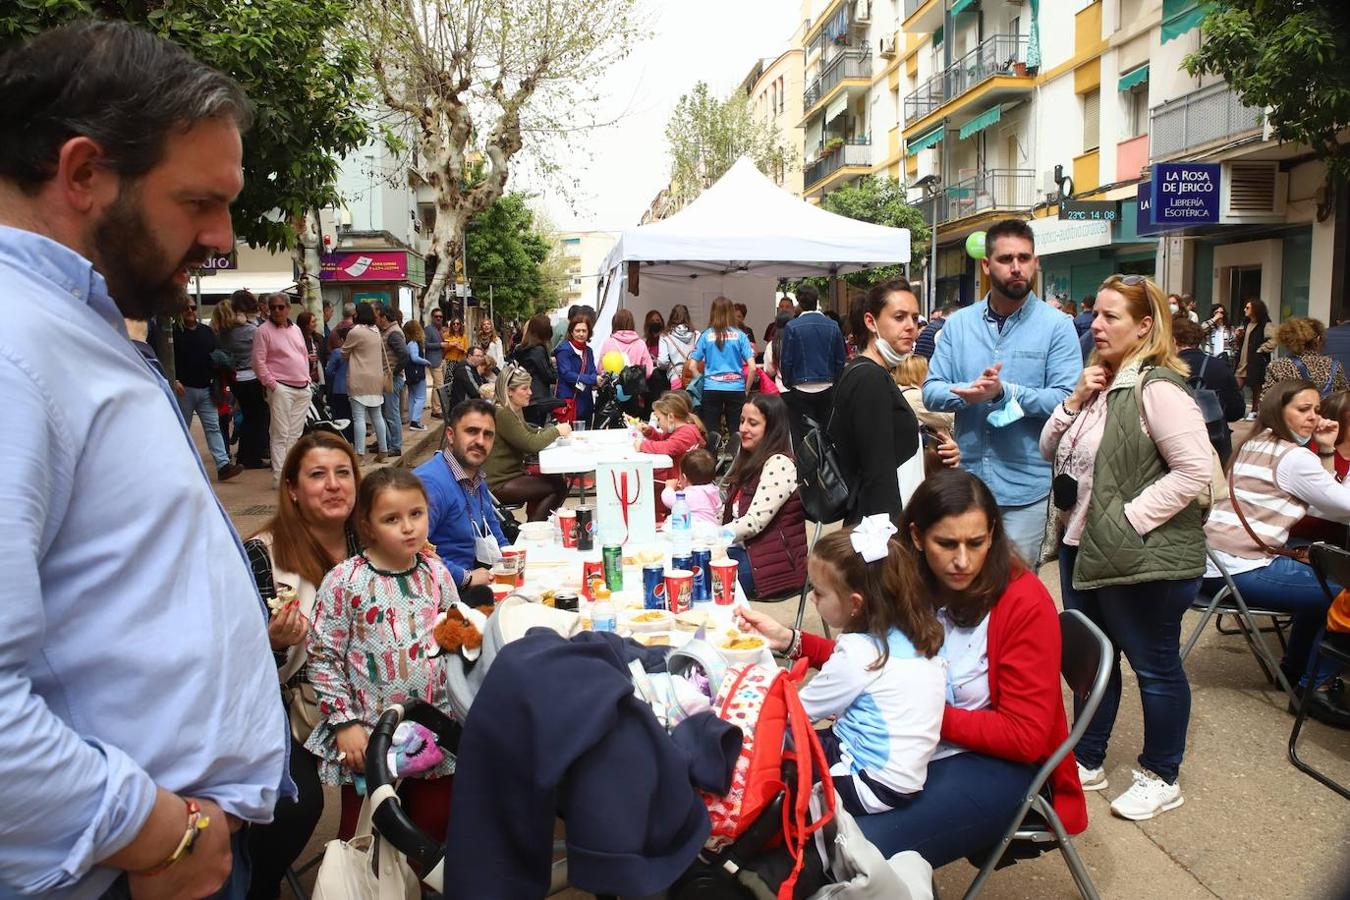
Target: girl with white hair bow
(882,682)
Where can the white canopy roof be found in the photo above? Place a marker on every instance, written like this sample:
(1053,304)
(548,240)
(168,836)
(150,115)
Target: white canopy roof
(746,223)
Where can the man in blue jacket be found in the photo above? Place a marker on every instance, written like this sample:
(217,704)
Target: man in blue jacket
(811,359)
(462,520)
(1002,366)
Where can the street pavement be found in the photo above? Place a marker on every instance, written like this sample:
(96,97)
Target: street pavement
(1252,825)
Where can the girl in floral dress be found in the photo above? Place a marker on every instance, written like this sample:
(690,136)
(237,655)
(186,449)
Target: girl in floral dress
(369,642)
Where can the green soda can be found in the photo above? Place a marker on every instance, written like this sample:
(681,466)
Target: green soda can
(612,554)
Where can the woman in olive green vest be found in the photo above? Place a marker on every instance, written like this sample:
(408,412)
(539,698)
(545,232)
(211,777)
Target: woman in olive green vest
(1130,456)
(517,439)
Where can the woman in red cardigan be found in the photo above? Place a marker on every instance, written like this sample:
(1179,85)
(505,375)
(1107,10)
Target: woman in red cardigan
(1005,713)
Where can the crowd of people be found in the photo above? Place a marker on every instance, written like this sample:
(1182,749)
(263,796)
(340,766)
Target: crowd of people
(187,754)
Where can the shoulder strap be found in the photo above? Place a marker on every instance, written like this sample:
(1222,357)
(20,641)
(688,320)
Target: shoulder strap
(1302,369)
(834,406)
(1203,366)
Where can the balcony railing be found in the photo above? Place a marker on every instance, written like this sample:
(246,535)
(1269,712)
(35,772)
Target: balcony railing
(845,64)
(992,189)
(1002,54)
(912,5)
(1200,117)
(856,152)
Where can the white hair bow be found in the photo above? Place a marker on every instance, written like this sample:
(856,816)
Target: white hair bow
(871,536)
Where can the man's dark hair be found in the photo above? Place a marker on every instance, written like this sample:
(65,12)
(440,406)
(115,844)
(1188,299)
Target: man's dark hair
(1089,301)
(113,83)
(465,407)
(1008,228)
(365,314)
(1186,333)
(384,309)
(808,298)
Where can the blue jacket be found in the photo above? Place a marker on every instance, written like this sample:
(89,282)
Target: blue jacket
(451,512)
(1083,321)
(1039,350)
(813,350)
(570,371)
(556,730)
(336,373)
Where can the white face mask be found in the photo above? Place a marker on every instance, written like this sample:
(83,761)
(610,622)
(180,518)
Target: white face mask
(888,352)
(1173,308)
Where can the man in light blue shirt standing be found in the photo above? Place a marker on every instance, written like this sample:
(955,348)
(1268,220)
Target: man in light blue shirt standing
(139,707)
(1002,365)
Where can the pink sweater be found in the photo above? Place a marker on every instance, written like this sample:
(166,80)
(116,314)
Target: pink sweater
(279,355)
(631,346)
(705,502)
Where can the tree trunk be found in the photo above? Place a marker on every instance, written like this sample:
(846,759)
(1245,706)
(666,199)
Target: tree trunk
(305,257)
(445,237)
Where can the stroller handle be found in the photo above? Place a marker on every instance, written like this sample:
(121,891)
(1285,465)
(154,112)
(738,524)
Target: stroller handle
(389,817)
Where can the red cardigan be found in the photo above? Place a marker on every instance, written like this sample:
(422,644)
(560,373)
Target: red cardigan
(1025,719)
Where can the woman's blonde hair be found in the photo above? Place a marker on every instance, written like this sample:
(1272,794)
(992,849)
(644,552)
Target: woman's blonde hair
(1144,299)
(513,376)
(912,371)
(676,405)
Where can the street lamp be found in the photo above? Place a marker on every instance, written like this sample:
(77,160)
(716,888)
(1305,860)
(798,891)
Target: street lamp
(931,185)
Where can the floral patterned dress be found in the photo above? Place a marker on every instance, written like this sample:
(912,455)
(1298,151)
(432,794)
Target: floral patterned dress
(368,648)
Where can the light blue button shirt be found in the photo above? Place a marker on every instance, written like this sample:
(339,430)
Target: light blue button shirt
(1039,351)
(133,643)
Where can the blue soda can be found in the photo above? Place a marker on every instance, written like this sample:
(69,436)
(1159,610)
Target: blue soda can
(685,562)
(654,586)
(702,558)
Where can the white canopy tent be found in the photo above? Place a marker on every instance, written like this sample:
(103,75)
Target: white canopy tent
(737,239)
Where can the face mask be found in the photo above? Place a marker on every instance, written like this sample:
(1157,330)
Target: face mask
(1173,308)
(888,353)
(1009,412)
(486,550)
(1303,441)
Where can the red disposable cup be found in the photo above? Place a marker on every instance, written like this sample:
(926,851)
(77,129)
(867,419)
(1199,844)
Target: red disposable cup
(724,573)
(567,522)
(500,592)
(679,589)
(515,558)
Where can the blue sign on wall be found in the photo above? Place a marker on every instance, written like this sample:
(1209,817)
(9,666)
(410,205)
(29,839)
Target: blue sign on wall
(1143,222)
(1185,194)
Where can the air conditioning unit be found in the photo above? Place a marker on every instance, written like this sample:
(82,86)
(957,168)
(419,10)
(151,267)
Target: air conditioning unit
(1252,191)
(888,46)
(862,12)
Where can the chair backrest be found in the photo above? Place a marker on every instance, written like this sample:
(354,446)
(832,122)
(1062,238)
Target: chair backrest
(1331,565)
(1084,653)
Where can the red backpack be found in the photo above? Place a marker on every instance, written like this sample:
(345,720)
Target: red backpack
(763,702)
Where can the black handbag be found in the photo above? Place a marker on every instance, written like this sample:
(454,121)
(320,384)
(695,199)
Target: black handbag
(821,479)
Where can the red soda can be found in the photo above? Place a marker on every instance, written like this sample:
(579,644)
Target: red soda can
(592,575)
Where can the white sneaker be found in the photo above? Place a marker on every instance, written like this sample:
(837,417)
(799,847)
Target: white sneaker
(1092,779)
(1148,796)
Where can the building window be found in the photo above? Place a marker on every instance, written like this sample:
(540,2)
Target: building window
(1136,110)
(1092,119)
(782,95)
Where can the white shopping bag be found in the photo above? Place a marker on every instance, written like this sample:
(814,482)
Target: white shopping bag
(625,502)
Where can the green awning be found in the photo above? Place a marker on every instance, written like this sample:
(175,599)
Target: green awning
(1034,37)
(926,141)
(961,6)
(1180,16)
(937,36)
(1130,79)
(981,122)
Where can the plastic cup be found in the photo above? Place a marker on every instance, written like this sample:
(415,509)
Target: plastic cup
(514,557)
(679,590)
(567,524)
(724,573)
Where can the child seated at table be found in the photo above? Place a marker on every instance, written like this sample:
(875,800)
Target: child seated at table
(881,680)
(677,432)
(696,481)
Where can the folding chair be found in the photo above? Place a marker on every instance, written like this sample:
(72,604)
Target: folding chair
(444,391)
(1228,600)
(1331,565)
(1085,663)
(806,585)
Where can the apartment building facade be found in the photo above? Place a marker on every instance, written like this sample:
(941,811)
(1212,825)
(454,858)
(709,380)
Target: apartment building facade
(584,253)
(774,89)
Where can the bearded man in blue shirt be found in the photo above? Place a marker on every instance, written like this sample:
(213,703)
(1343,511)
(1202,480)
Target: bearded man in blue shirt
(1002,366)
(140,715)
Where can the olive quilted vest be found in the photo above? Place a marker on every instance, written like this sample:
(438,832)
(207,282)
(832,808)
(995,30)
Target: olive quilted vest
(1110,551)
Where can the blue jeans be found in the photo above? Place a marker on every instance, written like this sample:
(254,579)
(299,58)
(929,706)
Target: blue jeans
(234,888)
(744,574)
(1025,526)
(1144,622)
(393,416)
(417,400)
(1291,587)
(198,400)
(966,804)
(359,413)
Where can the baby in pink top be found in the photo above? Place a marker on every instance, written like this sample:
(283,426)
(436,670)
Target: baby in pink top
(696,481)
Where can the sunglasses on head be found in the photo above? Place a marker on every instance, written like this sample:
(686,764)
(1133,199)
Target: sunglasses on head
(1127,280)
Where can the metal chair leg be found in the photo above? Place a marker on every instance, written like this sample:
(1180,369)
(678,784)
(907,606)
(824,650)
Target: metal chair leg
(293,880)
(1298,727)
(1204,620)
(806,585)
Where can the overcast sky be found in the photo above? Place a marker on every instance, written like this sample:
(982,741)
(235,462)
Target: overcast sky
(716,41)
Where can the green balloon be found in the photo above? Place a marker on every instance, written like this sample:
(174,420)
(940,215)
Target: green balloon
(975,245)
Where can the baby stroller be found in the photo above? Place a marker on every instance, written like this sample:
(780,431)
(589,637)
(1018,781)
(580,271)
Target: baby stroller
(318,417)
(842,863)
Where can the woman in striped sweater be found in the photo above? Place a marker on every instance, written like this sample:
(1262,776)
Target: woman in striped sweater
(1276,477)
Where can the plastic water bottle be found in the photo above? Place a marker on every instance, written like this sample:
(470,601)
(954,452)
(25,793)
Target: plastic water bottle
(681,526)
(603,617)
